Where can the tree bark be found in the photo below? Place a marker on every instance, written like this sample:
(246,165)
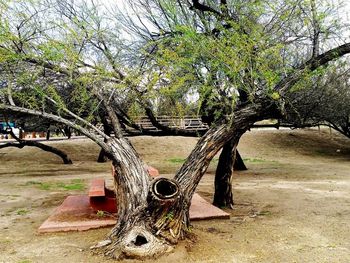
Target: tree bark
(67,132)
(230,160)
(48,134)
(223,196)
(141,230)
(102,156)
(239,164)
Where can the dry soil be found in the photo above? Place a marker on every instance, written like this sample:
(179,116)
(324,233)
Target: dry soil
(291,205)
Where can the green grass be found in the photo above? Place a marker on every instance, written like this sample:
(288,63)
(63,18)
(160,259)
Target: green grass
(100,213)
(75,184)
(264,213)
(176,160)
(254,160)
(22,212)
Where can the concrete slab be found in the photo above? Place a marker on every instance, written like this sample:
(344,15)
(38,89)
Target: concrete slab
(76,214)
(152,171)
(200,209)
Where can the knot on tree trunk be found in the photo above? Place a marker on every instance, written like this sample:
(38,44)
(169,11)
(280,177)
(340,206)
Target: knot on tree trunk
(168,209)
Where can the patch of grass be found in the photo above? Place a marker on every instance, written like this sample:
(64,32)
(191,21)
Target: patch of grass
(10,195)
(75,184)
(100,213)
(24,261)
(40,185)
(22,212)
(182,160)
(265,213)
(323,152)
(32,183)
(44,186)
(254,160)
(5,241)
(176,160)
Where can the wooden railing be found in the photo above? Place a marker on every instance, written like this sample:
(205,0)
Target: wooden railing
(186,122)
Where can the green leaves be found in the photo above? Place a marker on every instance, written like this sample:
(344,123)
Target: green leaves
(53,51)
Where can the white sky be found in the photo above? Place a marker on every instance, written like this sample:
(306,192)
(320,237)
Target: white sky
(344,11)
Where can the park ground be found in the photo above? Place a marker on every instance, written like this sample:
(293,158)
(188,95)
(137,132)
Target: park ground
(291,205)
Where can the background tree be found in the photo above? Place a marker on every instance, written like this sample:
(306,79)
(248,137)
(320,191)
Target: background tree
(324,102)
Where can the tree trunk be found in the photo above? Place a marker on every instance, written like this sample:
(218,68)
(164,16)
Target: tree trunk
(223,196)
(229,161)
(48,134)
(150,214)
(102,156)
(154,214)
(239,163)
(67,131)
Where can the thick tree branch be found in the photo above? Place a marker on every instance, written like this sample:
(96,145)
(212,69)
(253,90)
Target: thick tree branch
(118,131)
(58,119)
(288,82)
(316,30)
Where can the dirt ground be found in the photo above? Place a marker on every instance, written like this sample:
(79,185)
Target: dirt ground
(292,205)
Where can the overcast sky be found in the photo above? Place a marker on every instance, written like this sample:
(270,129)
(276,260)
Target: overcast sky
(344,11)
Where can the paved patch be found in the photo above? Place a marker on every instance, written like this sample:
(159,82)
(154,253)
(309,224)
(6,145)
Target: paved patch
(76,214)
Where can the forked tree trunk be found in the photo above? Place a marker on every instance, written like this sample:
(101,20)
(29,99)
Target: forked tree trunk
(154,214)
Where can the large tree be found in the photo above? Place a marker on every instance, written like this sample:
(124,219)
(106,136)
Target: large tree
(325,102)
(240,59)
(226,52)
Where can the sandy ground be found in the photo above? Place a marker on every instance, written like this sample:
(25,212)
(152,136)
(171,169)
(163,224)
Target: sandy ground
(292,205)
